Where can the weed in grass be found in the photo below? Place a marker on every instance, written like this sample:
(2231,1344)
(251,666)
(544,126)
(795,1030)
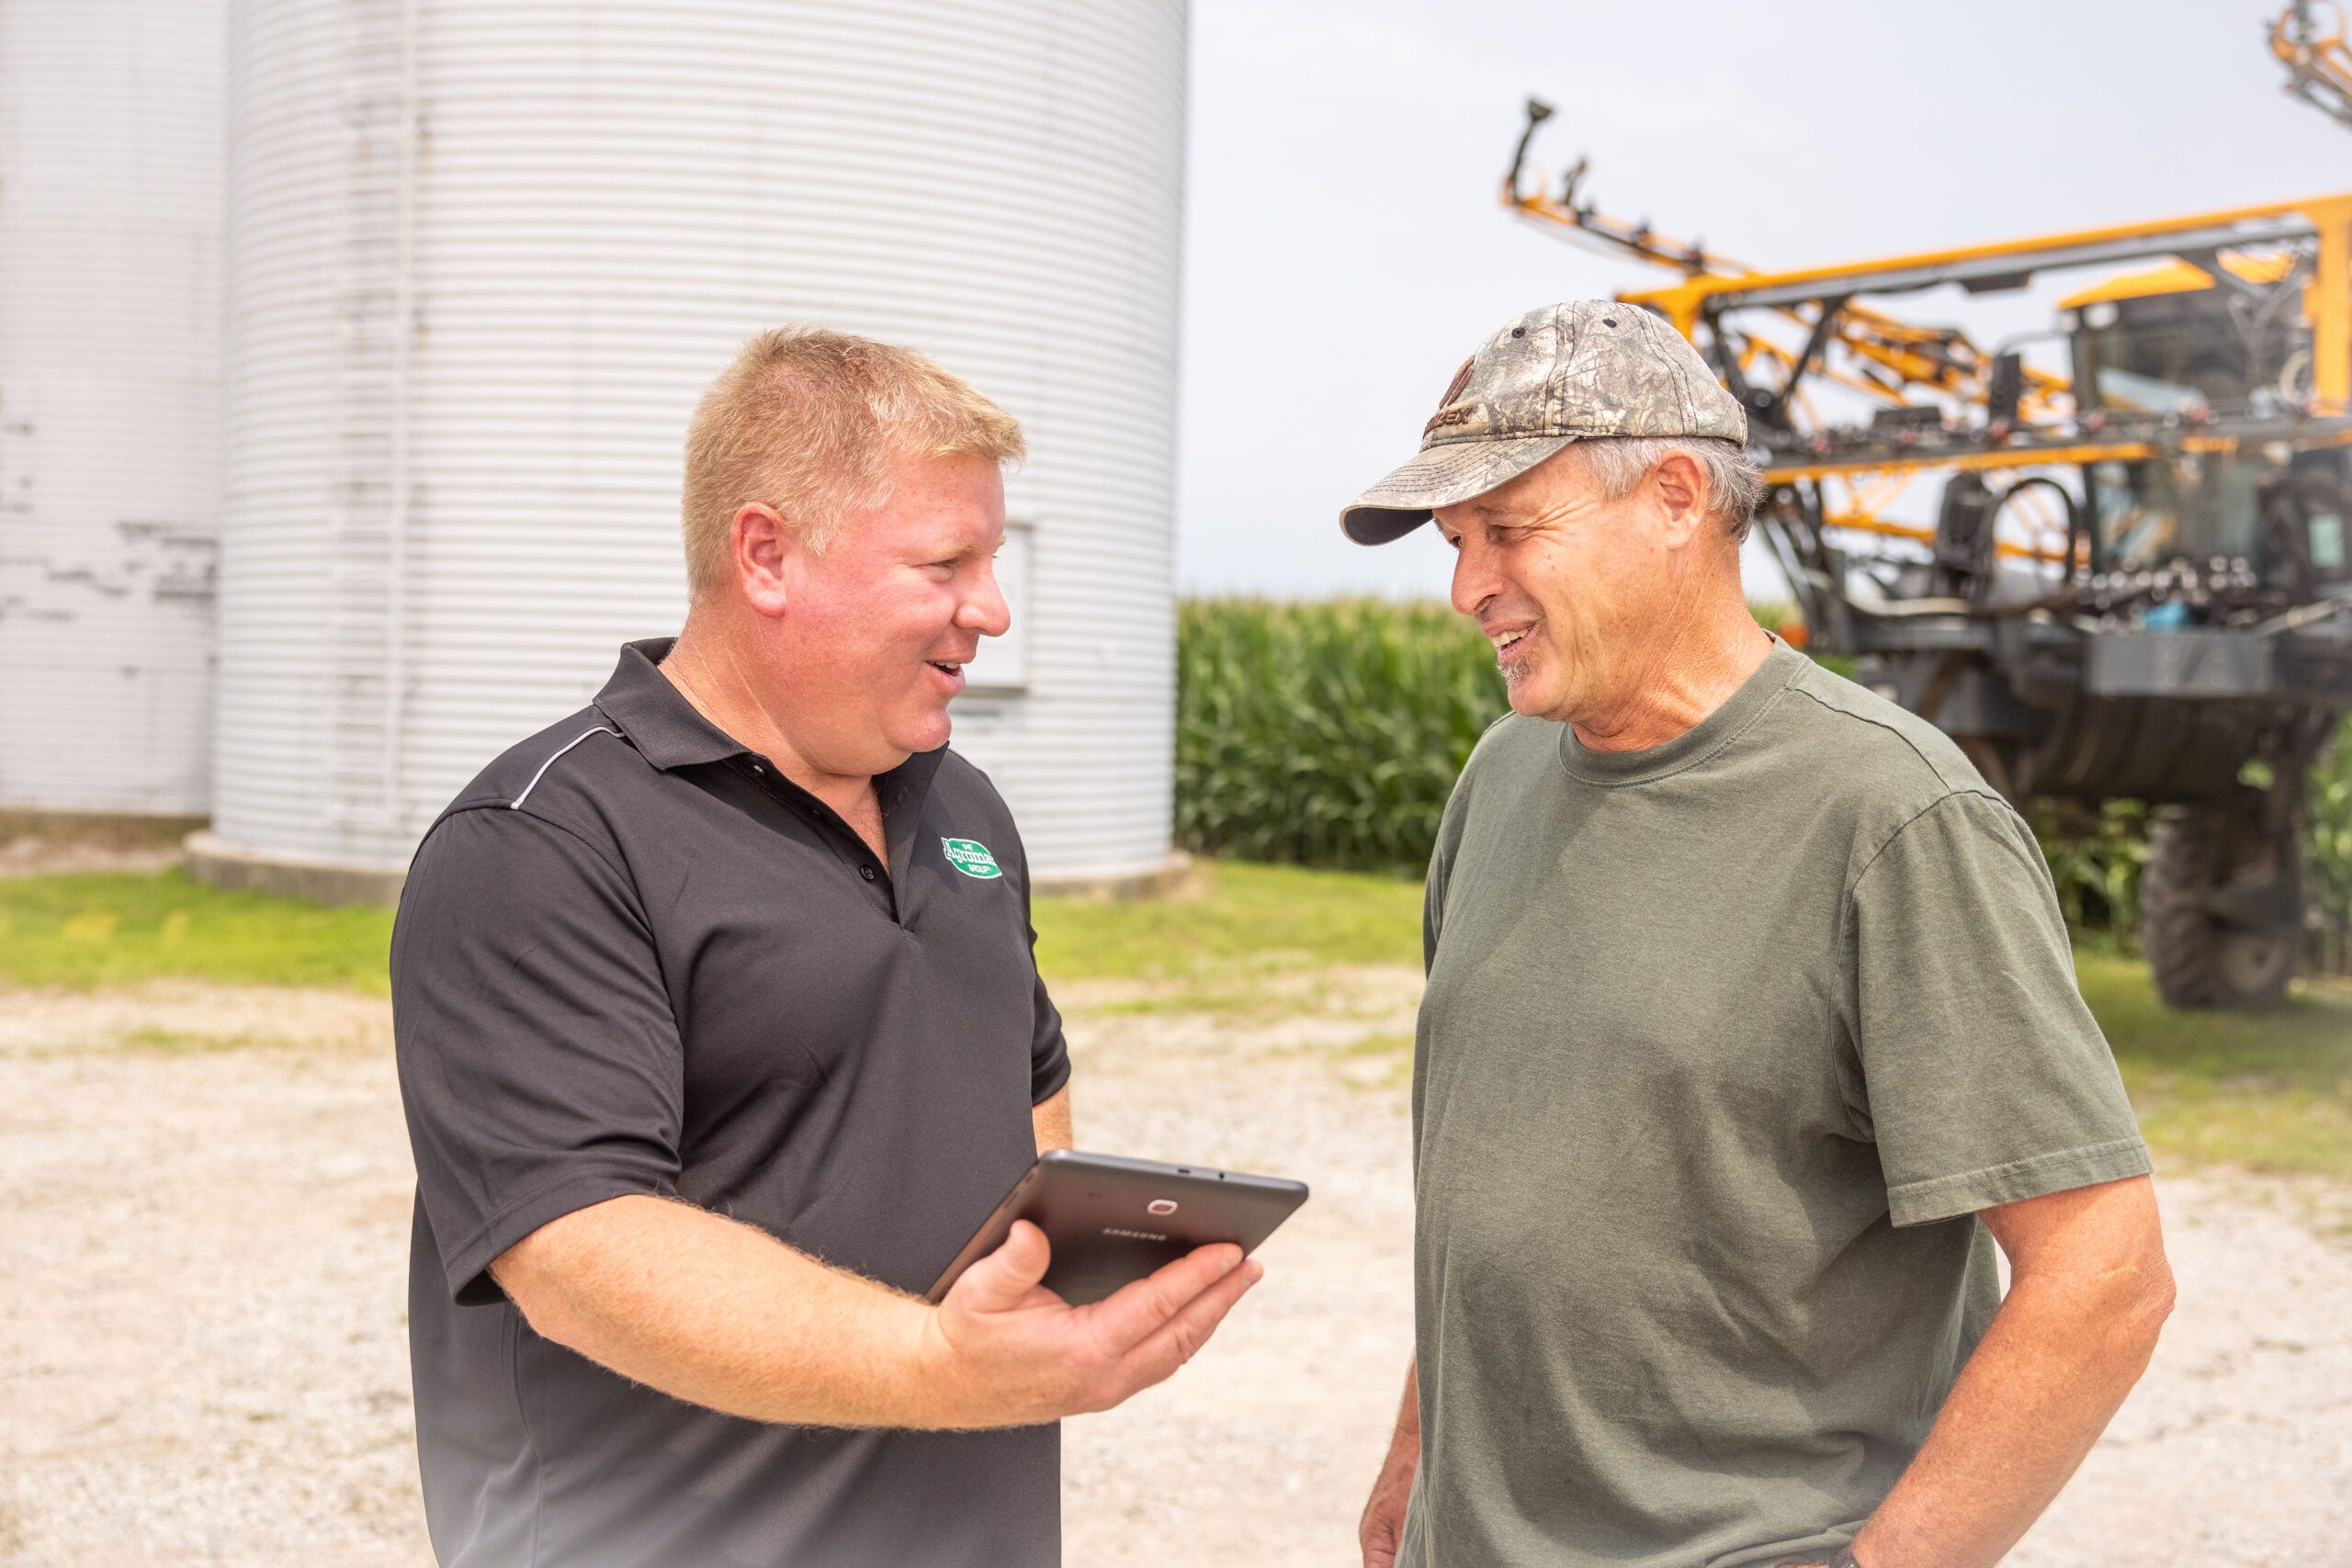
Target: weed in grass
(91,925)
(1377,1061)
(150,1041)
(1224,1003)
(153,1040)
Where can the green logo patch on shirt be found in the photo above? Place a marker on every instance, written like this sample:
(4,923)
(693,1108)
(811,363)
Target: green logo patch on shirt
(971,857)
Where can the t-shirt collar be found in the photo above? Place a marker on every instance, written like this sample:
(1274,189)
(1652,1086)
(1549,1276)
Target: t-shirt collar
(1694,745)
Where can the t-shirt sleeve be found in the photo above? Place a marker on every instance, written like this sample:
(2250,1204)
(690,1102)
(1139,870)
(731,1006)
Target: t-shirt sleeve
(539,1065)
(1048,1049)
(1986,1080)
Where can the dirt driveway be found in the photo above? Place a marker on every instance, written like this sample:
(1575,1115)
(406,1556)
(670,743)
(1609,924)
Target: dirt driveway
(204,1198)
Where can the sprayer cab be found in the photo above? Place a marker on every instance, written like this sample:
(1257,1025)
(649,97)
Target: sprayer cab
(2202,344)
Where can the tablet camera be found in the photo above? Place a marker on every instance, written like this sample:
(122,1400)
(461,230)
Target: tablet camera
(1161,1206)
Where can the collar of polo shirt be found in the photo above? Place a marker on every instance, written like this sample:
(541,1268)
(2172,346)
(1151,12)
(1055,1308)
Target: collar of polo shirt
(669,732)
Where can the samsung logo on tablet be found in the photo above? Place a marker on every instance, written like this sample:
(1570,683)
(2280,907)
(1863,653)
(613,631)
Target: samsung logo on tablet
(1133,1235)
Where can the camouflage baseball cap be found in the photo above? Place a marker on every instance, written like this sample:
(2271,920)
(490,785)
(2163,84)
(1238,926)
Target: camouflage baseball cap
(1565,373)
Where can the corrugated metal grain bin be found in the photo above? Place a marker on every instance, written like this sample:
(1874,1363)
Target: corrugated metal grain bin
(109,398)
(483,257)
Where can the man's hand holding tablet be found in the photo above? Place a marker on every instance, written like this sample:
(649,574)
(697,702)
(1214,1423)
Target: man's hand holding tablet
(999,1333)
(1004,1348)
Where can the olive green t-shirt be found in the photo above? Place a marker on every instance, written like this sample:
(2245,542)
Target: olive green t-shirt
(1725,1044)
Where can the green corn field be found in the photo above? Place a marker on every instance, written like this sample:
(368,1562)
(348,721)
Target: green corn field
(1325,734)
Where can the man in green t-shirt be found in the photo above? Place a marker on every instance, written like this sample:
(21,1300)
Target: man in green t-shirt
(1751,1029)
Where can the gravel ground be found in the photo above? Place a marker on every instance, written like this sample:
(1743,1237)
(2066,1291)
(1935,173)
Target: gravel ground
(206,1194)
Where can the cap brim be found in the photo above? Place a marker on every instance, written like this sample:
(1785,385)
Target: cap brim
(1440,475)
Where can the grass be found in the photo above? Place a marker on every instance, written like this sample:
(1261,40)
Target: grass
(2269,1091)
(2272,1091)
(1254,918)
(1379,1061)
(84,932)
(81,933)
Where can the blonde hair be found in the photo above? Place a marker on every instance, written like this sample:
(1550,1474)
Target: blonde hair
(811,421)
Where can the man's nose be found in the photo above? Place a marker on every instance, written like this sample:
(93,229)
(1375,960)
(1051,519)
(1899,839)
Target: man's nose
(1474,579)
(984,610)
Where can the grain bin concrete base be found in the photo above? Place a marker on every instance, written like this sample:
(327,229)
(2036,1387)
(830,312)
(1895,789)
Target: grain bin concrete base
(1158,882)
(216,863)
(97,829)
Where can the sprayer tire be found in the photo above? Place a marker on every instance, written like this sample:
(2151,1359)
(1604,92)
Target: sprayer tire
(2199,960)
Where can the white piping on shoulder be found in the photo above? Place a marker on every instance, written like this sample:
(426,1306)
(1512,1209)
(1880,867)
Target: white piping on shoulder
(560,751)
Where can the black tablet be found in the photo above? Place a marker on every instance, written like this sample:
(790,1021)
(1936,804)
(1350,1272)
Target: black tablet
(1111,1220)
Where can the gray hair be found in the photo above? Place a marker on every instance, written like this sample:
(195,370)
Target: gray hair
(1735,479)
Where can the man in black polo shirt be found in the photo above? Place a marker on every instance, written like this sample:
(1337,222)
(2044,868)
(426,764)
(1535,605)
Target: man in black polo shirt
(719,1032)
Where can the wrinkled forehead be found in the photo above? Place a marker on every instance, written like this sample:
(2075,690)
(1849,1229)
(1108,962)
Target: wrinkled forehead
(1562,481)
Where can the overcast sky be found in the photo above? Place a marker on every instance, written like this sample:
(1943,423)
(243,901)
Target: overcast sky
(1346,248)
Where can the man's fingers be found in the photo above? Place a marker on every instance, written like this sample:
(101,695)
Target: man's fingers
(1181,1337)
(997,1282)
(1134,1312)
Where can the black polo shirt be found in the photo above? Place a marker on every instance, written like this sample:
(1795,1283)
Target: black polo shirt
(632,957)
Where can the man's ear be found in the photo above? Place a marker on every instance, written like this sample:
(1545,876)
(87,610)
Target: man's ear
(1682,497)
(767,555)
